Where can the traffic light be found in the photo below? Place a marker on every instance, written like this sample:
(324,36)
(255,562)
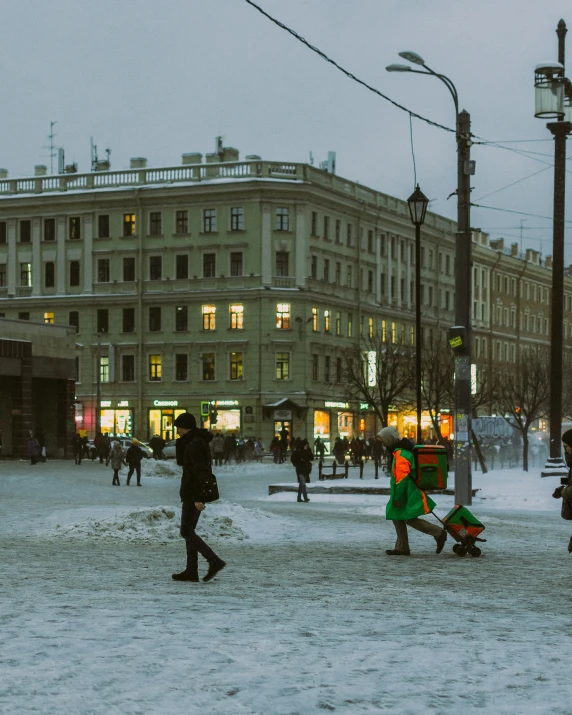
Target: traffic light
(213,416)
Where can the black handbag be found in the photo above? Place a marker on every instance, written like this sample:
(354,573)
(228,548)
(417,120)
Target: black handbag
(566,512)
(209,488)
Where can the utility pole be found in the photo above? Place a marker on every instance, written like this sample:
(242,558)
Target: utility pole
(98,388)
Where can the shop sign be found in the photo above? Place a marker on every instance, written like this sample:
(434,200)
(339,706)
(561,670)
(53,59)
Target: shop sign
(225,403)
(123,403)
(165,403)
(341,405)
(105,403)
(363,406)
(372,368)
(282,415)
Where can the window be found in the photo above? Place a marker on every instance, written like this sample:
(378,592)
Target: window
(128,320)
(209,221)
(49,229)
(327,368)
(3,232)
(103,226)
(74,274)
(154,319)
(370,247)
(326,228)
(129,224)
(338,231)
(282,366)
(73,320)
(315,371)
(236,263)
(370,328)
(129,269)
(236,366)
(48,318)
(155,268)
(128,368)
(24,316)
(103,270)
(283,316)
(338,323)
(209,317)
(282,267)
(236,317)
(282,219)
(349,275)
(155,368)
(326,270)
(208,361)
(181,222)
(338,273)
(49,274)
(350,325)
(393,332)
(315,319)
(25,231)
(350,235)
(370,281)
(181,267)
(181,367)
(104,369)
(237,219)
(75,228)
(155,223)
(2,275)
(181,318)
(339,371)
(26,275)
(448,264)
(326,321)
(314,267)
(102,320)
(209,265)
(314,230)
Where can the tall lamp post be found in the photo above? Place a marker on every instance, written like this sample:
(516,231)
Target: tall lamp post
(460,334)
(98,387)
(418,203)
(553,100)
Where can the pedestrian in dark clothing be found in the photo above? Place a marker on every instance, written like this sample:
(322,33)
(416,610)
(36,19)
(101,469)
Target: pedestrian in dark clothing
(320,448)
(339,451)
(282,448)
(104,448)
(193,454)
(302,459)
(133,458)
(115,457)
(565,490)
(78,448)
(155,444)
(34,449)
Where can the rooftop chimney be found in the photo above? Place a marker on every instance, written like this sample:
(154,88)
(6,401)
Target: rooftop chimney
(3,173)
(138,162)
(229,154)
(548,261)
(40,170)
(193,158)
(514,250)
(212,158)
(252,157)
(498,244)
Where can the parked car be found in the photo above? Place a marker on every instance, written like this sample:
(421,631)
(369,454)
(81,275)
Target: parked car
(170,450)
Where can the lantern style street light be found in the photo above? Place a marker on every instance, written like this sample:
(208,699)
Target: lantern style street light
(460,335)
(418,203)
(553,100)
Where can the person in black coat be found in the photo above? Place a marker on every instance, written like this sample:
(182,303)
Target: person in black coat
(302,459)
(78,448)
(133,458)
(193,454)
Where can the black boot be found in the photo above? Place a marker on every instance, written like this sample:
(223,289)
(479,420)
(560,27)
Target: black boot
(186,576)
(214,568)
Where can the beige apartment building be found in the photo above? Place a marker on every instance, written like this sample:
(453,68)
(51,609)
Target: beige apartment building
(240,284)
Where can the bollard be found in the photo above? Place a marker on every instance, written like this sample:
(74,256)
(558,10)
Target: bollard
(361,468)
(376,468)
(320,477)
(347,468)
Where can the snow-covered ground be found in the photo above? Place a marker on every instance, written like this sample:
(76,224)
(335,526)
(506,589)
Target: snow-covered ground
(310,615)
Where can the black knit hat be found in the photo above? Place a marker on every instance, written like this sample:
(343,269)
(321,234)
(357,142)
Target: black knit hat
(567,437)
(185,420)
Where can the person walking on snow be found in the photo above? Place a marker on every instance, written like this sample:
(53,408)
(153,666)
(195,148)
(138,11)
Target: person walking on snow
(565,490)
(302,459)
(193,454)
(407,502)
(133,458)
(115,456)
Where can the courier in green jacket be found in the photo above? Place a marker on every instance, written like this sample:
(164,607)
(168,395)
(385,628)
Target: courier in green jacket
(407,502)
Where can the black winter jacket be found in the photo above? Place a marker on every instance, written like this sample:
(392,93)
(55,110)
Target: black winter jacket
(194,455)
(134,455)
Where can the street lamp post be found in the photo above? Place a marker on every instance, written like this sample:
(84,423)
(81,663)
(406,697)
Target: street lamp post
(460,336)
(553,100)
(98,387)
(418,203)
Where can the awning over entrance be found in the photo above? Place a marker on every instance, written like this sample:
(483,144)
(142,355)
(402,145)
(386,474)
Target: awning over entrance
(285,404)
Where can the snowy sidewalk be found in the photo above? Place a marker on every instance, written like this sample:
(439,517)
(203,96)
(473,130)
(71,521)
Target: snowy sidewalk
(310,616)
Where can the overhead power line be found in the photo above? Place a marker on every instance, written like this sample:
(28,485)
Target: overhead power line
(324,56)
(510,211)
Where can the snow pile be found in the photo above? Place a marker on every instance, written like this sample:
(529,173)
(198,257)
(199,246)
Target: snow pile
(161,524)
(161,468)
(170,469)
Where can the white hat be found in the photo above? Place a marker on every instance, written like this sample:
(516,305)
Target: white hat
(389,436)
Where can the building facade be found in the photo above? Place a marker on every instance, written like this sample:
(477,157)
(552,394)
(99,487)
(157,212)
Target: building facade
(241,285)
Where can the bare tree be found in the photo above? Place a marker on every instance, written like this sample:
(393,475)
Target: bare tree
(437,378)
(380,373)
(523,392)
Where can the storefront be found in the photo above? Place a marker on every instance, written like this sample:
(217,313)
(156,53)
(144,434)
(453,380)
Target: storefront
(228,417)
(161,418)
(116,418)
(367,422)
(283,423)
(322,427)
(344,420)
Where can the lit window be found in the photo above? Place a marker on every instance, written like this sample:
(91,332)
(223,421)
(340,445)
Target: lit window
(393,332)
(370,328)
(26,275)
(283,219)
(283,316)
(155,365)
(48,317)
(315,325)
(104,369)
(282,366)
(350,325)
(209,317)
(128,224)
(338,323)
(236,366)
(236,317)
(208,360)
(326,321)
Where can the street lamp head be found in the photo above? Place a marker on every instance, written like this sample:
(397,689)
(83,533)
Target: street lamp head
(418,203)
(398,68)
(412,57)
(549,90)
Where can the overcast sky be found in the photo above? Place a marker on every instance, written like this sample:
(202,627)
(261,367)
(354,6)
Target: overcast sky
(158,78)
